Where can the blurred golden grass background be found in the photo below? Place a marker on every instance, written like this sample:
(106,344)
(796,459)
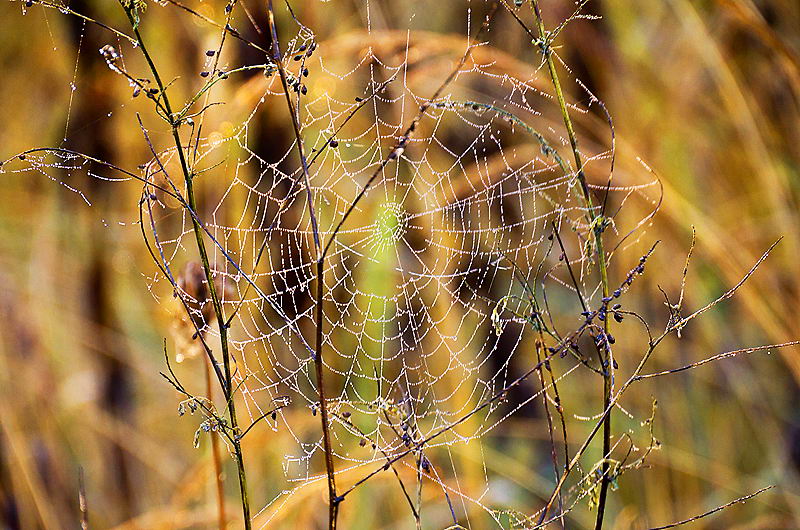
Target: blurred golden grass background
(707,93)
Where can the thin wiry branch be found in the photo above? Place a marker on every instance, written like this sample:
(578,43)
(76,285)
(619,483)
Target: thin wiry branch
(717,357)
(715,510)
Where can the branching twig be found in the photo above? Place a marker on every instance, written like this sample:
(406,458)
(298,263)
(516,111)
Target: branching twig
(197,229)
(715,510)
(597,224)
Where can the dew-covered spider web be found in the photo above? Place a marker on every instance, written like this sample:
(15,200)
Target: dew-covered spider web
(433,280)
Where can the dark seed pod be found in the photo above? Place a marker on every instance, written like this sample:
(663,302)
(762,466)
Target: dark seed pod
(425,464)
(203,74)
(334,143)
(210,53)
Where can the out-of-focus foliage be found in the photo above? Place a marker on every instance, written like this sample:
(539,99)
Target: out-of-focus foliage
(706,93)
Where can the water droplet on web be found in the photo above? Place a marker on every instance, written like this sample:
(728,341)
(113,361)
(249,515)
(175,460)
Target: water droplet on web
(73,87)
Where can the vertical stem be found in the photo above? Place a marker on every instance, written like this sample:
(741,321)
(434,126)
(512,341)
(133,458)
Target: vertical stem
(227,385)
(227,389)
(333,500)
(596,224)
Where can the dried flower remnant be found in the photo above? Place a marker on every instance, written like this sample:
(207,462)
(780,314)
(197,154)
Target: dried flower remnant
(192,320)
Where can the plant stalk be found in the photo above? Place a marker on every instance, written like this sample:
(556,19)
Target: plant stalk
(227,384)
(333,500)
(596,224)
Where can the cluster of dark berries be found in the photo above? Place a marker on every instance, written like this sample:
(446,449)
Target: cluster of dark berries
(295,84)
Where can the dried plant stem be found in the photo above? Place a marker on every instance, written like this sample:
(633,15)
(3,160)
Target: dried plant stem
(227,384)
(637,375)
(715,510)
(333,499)
(596,225)
(319,365)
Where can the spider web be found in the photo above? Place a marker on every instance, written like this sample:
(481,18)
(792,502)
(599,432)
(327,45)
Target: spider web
(425,307)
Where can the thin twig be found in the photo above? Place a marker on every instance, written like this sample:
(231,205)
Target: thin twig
(717,357)
(215,300)
(715,510)
(597,224)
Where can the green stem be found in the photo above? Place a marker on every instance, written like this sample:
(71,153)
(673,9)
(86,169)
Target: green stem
(227,384)
(597,226)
